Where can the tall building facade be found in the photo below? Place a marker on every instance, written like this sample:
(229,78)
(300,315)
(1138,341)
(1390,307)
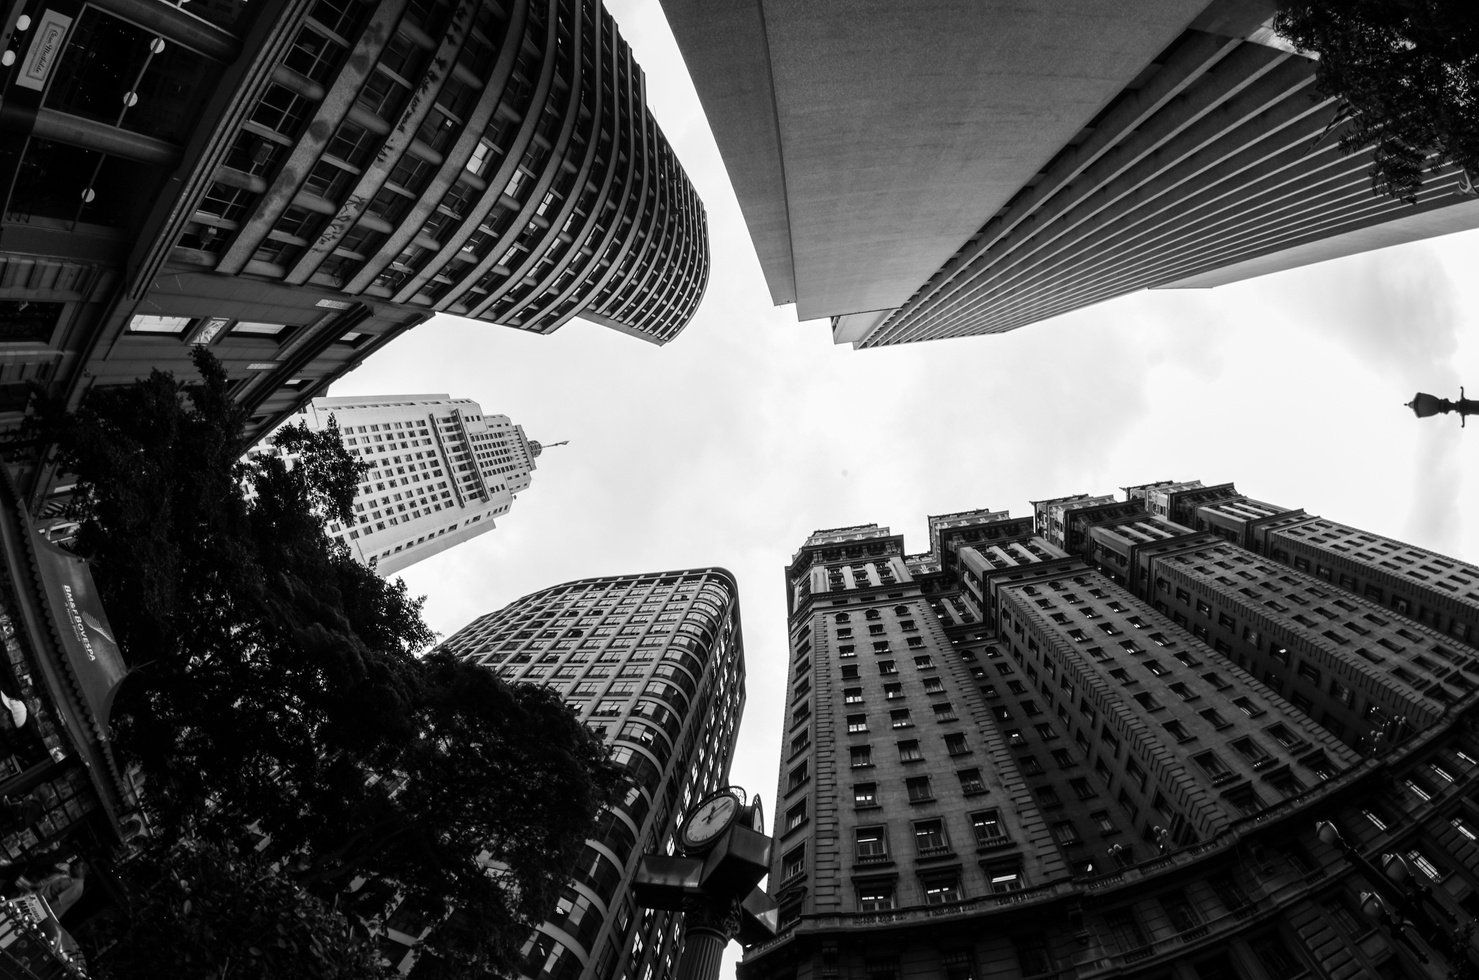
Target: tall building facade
(440,472)
(655,663)
(294,183)
(1097,741)
(915,176)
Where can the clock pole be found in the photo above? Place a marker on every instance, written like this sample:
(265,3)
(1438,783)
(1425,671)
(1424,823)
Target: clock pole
(709,923)
(714,883)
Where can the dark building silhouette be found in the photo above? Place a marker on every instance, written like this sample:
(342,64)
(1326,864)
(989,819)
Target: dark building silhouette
(293,183)
(656,664)
(916,175)
(64,794)
(1097,741)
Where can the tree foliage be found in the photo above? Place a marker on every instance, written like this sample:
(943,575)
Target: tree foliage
(1406,74)
(276,681)
(206,910)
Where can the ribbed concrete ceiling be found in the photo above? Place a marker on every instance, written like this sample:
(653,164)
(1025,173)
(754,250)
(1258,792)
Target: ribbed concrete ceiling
(867,140)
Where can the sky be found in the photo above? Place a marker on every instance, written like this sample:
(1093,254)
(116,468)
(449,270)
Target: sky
(733,442)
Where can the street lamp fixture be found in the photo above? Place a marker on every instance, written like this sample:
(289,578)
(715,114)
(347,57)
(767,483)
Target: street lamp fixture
(1404,906)
(1424,405)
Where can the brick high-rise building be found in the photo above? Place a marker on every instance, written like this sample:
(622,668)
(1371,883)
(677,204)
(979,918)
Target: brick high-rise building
(656,664)
(440,472)
(295,182)
(1096,742)
(921,174)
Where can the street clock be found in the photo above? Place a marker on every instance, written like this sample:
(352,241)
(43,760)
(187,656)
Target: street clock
(707,820)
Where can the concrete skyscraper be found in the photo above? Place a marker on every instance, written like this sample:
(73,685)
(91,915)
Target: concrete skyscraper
(656,664)
(919,173)
(1097,742)
(293,183)
(440,472)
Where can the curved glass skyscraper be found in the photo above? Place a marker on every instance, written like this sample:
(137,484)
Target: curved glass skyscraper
(656,664)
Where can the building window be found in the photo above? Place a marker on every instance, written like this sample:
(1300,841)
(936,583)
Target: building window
(1252,751)
(1125,929)
(1422,864)
(862,756)
(857,723)
(971,782)
(1244,800)
(929,837)
(865,794)
(1178,731)
(1213,766)
(941,889)
(944,712)
(798,778)
(876,897)
(899,718)
(1247,707)
(918,788)
(163,326)
(871,843)
(955,744)
(281,110)
(1065,833)
(1033,955)
(958,965)
(352,144)
(1005,877)
(313,56)
(1274,955)
(793,865)
(796,816)
(1213,716)
(986,825)
(909,751)
(269,331)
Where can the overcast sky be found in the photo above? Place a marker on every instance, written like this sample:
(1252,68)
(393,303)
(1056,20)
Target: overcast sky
(733,442)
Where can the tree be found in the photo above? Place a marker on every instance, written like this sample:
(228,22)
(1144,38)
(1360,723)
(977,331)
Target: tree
(1406,74)
(276,681)
(217,913)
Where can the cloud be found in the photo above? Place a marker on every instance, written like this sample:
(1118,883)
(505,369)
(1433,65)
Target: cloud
(1437,482)
(1397,306)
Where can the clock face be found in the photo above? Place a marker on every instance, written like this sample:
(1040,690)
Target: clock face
(709,820)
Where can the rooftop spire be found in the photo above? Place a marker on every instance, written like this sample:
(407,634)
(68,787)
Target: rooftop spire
(536,447)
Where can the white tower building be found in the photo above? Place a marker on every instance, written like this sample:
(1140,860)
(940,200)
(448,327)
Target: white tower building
(440,472)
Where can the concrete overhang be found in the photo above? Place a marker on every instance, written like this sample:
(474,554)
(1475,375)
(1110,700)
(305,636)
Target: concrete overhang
(867,140)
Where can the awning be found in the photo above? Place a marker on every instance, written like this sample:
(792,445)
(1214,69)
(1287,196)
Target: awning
(83,628)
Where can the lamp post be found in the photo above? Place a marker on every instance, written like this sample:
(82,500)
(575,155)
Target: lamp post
(1424,405)
(714,882)
(1405,905)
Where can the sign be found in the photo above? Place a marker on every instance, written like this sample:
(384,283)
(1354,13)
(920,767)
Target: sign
(46,49)
(86,637)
